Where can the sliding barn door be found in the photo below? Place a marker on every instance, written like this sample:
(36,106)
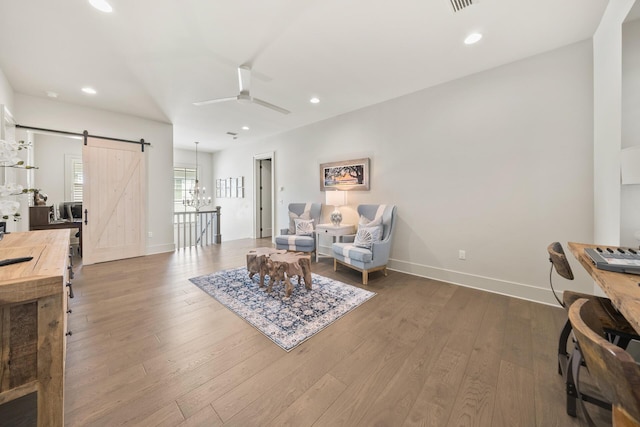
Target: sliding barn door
(114,201)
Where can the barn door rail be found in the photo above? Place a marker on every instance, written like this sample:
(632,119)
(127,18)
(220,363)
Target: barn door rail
(85,134)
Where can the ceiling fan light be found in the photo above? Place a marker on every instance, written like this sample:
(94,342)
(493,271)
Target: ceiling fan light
(101,5)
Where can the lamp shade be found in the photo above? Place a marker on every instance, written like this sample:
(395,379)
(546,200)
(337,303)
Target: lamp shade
(336,198)
(630,165)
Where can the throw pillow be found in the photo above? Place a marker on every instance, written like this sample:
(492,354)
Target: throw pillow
(367,236)
(364,221)
(293,217)
(304,227)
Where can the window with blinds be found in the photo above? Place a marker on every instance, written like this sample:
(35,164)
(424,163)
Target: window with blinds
(184,179)
(76,188)
(73,178)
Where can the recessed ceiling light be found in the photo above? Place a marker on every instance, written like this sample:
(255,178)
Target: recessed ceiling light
(245,127)
(89,90)
(314,100)
(473,38)
(101,5)
(52,94)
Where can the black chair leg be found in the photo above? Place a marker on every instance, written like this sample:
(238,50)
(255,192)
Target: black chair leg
(571,387)
(563,356)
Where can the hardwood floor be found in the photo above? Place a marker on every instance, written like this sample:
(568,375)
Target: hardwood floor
(150,348)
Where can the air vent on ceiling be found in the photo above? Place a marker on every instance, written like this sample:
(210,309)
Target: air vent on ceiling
(458,5)
(231,133)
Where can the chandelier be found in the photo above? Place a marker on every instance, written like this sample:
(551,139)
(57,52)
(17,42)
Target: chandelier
(198,198)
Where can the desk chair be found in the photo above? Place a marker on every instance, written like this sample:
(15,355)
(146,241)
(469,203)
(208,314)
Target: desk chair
(614,371)
(616,326)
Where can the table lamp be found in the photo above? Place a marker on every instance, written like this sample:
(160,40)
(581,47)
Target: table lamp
(336,198)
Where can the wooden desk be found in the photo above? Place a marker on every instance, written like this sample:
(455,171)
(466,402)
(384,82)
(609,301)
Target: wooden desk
(622,289)
(60,224)
(33,305)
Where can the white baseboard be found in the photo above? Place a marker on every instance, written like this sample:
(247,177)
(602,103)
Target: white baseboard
(158,249)
(542,295)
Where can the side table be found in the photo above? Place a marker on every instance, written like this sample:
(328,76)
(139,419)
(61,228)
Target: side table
(337,233)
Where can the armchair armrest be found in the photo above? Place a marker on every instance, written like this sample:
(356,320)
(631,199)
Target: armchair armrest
(284,231)
(381,250)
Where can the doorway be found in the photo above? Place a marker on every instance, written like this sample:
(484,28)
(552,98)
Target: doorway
(263,195)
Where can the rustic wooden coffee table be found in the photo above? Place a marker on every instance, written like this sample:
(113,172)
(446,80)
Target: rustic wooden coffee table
(257,261)
(281,267)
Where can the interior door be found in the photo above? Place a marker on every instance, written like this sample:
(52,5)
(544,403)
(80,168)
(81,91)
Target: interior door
(114,201)
(265,188)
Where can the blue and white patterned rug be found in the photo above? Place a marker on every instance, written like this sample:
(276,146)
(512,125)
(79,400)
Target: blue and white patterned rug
(286,321)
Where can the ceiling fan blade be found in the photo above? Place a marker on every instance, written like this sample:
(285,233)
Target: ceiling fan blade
(215,101)
(244,78)
(268,105)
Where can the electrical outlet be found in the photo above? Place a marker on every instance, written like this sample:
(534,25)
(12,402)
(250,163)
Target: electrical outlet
(462,254)
(150,234)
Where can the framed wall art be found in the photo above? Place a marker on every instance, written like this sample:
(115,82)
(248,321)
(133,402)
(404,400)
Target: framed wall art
(230,188)
(346,175)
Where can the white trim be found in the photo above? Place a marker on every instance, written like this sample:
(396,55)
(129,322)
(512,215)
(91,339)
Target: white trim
(264,156)
(489,284)
(159,249)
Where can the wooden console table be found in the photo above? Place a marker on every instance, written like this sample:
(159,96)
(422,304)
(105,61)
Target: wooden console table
(623,289)
(33,305)
(39,220)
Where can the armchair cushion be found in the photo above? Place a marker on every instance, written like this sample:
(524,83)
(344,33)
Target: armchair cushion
(296,243)
(349,252)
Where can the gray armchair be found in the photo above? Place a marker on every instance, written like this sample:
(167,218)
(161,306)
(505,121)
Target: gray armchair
(357,255)
(303,240)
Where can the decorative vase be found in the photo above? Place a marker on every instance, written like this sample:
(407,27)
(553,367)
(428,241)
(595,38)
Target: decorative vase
(336,217)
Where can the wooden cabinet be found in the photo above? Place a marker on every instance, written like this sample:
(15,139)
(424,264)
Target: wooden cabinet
(39,215)
(33,306)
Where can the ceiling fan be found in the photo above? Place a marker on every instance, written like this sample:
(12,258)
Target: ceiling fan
(244,80)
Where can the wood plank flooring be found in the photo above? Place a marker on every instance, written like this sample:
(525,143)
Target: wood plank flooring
(149,348)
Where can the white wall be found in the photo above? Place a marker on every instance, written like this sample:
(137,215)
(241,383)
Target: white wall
(498,164)
(49,114)
(7,174)
(6,92)
(49,157)
(607,72)
(630,196)
(236,215)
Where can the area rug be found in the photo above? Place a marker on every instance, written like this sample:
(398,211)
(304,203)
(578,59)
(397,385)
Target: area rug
(286,321)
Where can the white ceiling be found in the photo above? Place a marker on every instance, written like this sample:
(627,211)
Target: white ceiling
(154,58)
